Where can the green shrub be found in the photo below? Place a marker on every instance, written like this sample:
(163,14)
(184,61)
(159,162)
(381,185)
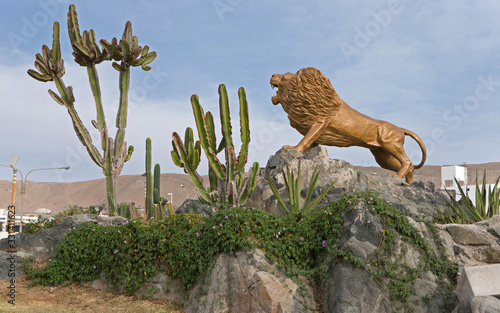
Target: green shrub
(77,210)
(31,228)
(185,245)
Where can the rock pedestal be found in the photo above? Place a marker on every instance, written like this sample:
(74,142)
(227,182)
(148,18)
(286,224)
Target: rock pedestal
(417,200)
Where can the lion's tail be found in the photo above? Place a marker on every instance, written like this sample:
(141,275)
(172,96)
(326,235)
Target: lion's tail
(421,144)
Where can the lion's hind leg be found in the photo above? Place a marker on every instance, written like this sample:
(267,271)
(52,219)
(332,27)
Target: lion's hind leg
(388,161)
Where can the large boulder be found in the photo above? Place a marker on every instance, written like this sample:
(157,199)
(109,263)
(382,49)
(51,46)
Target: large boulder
(248,282)
(417,200)
(195,206)
(473,245)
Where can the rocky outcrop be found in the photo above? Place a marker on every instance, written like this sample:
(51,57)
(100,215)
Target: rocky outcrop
(350,289)
(473,245)
(417,200)
(247,282)
(42,245)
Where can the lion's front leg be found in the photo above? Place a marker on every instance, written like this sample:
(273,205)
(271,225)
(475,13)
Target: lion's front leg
(312,135)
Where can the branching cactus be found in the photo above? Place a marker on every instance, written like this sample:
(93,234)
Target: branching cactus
(227,182)
(86,51)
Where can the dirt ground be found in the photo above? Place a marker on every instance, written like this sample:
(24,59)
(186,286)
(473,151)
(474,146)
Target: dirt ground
(75,298)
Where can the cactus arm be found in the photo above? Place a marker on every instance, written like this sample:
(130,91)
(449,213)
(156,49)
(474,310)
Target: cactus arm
(56,46)
(253,178)
(38,76)
(129,153)
(212,140)
(180,150)
(175,156)
(244,130)
(81,131)
(202,134)
(73,28)
(121,115)
(96,92)
(225,119)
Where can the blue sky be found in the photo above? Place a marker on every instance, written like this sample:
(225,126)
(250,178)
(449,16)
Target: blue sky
(432,67)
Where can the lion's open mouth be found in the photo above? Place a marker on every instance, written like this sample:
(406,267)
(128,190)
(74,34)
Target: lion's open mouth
(274,98)
(272,87)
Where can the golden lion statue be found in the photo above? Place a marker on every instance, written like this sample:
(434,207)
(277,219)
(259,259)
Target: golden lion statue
(318,113)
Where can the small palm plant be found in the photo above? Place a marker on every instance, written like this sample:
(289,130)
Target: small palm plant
(292,185)
(487,204)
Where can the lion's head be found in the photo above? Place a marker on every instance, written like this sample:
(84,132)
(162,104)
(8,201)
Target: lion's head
(305,96)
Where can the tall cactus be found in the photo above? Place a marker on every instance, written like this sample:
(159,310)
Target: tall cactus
(86,52)
(156,184)
(227,182)
(149,182)
(156,205)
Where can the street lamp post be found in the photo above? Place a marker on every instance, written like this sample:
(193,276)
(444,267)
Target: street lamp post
(171,198)
(23,187)
(187,193)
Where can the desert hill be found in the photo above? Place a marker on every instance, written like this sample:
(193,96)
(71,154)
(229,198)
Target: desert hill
(432,173)
(130,188)
(58,196)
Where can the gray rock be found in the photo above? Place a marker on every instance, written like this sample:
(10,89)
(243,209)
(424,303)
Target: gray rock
(247,282)
(163,287)
(495,230)
(195,206)
(486,304)
(468,234)
(348,289)
(482,304)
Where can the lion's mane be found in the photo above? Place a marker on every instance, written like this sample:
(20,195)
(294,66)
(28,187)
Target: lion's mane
(307,96)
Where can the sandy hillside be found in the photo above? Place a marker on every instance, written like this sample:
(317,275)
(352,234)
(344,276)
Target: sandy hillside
(58,196)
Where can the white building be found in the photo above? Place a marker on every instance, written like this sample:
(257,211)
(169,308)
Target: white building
(448,173)
(27,218)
